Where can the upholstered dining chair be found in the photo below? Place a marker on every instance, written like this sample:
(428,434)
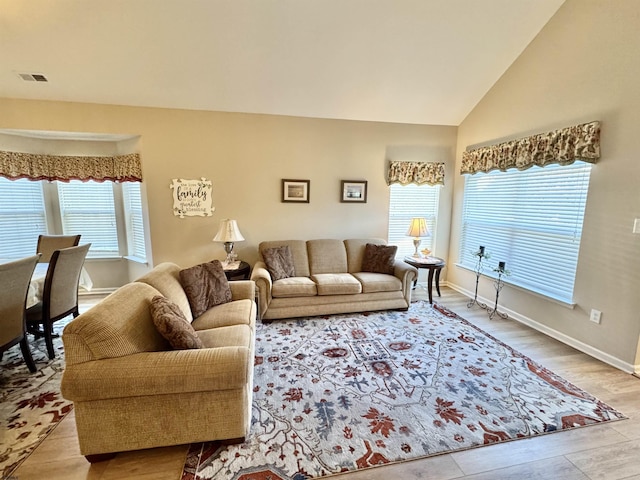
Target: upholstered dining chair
(60,294)
(47,244)
(15,278)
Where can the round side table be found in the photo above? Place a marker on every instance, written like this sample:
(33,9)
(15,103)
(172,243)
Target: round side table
(434,265)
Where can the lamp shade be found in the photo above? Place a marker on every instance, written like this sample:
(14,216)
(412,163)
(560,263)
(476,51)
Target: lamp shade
(418,228)
(228,232)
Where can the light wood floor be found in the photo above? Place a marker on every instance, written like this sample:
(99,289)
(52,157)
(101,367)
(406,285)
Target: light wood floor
(605,452)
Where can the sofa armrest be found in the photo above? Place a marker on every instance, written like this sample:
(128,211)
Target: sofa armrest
(243,289)
(260,275)
(406,273)
(158,373)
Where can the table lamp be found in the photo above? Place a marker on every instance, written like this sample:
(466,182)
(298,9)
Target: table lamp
(417,229)
(228,232)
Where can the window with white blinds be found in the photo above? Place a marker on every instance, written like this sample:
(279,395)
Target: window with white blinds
(532,220)
(87,208)
(405,203)
(133,216)
(108,217)
(22,217)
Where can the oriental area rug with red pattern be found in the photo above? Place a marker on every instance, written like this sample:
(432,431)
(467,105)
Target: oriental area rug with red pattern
(31,405)
(348,392)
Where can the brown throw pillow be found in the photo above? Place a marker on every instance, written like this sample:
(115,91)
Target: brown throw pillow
(379,258)
(172,325)
(205,286)
(279,262)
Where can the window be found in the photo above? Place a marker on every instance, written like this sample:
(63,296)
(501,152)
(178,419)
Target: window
(22,217)
(87,208)
(133,216)
(107,215)
(530,219)
(405,203)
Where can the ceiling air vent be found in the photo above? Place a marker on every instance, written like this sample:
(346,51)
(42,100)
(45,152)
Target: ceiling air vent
(33,77)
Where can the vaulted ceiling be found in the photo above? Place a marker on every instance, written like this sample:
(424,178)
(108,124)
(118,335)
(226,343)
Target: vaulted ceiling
(406,61)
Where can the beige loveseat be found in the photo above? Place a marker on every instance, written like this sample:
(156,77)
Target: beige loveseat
(132,391)
(328,279)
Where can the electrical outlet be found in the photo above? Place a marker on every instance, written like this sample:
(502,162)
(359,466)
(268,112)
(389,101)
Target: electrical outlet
(636,225)
(595,315)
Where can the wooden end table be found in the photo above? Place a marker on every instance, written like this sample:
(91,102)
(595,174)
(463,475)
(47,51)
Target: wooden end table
(241,273)
(434,265)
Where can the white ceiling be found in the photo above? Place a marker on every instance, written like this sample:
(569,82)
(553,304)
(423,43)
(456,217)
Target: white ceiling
(407,61)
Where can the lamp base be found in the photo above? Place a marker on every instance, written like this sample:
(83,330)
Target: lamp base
(231,257)
(416,244)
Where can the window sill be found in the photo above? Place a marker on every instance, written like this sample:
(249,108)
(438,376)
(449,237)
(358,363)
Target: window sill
(562,302)
(141,261)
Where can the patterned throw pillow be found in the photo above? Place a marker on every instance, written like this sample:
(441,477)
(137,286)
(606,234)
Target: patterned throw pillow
(279,262)
(172,324)
(205,286)
(379,258)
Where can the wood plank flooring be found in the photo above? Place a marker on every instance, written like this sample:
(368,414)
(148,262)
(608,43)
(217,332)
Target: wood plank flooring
(604,452)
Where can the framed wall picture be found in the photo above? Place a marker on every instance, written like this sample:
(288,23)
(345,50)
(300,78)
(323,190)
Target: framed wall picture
(295,191)
(354,191)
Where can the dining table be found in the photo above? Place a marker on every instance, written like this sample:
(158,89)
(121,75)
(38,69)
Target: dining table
(36,285)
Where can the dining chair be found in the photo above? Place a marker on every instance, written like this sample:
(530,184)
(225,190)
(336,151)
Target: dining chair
(15,278)
(47,244)
(60,294)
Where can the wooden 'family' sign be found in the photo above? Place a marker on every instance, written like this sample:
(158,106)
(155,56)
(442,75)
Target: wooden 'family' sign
(192,197)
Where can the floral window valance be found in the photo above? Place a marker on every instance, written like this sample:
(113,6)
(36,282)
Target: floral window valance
(119,168)
(420,173)
(564,146)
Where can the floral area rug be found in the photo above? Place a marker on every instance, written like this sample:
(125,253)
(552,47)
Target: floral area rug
(348,392)
(31,404)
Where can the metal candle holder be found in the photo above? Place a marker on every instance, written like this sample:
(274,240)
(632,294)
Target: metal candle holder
(498,284)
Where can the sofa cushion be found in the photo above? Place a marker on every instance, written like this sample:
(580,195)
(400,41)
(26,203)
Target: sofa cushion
(172,324)
(355,251)
(231,336)
(378,282)
(237,312)
(166,279)
(294,287)
(336,284)
(298,252)
(379,258)
(279,262)
(205,286)
(327,256)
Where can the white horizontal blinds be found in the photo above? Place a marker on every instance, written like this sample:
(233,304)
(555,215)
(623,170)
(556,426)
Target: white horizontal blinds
(22,217)
(405,203)
(133,215)
(87,208)
(530,219)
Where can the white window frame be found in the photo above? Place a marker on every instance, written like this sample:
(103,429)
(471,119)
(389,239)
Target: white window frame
(532,220)
(11,247)
(405,203)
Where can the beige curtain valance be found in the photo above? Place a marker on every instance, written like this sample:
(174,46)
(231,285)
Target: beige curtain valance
(120,168)
(564,146)
(420,173)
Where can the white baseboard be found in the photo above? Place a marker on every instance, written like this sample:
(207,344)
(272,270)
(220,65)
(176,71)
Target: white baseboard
(567,340)
(95,291)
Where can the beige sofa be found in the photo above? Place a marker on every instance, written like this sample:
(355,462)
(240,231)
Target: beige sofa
(328,279)
(131,391)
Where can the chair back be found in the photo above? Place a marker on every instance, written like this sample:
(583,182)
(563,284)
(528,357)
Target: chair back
(61,283)
(15,278)
(47,244)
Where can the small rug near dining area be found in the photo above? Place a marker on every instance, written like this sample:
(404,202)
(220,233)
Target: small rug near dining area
(348,392)
(30,403)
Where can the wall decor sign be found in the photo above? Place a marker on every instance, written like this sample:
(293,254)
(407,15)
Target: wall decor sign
(192,198)
(295,191)
(354,191)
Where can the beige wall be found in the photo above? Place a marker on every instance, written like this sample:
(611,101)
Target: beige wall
(583,66)
(246,156)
